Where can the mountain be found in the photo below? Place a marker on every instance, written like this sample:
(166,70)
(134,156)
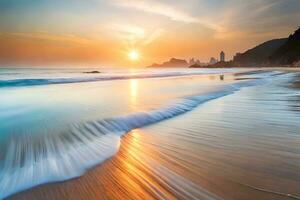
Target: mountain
(288,53)
(260,54)
(285,51)
(173,62)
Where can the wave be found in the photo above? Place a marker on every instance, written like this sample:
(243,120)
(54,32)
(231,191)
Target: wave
(32,160)
(102,77)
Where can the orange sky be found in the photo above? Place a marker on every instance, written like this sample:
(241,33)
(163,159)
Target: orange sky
(102,32)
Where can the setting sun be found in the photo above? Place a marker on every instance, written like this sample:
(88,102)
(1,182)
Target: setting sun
(133,55)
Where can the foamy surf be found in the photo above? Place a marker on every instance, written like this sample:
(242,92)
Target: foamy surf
(34,160)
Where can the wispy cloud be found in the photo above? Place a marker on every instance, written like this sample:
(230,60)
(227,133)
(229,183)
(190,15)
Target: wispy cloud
(153,36)
(172,12)
(132,34)
(157,8)
(127,33)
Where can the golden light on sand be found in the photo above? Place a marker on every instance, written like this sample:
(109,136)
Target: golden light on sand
(133,55)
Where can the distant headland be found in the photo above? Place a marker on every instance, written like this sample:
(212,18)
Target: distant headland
(284,52)
(173,62)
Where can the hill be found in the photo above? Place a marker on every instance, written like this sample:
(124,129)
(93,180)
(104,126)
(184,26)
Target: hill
(288,53)
(173,62)
(277,52)
(260,54)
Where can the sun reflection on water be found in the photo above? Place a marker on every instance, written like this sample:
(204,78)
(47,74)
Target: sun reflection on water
(133,91)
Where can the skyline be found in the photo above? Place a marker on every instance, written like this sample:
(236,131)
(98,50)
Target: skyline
(104,32)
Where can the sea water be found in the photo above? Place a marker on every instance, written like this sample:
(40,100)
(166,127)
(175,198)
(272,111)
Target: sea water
(57,123)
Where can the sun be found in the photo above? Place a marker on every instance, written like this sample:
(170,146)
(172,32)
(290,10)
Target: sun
(133,55)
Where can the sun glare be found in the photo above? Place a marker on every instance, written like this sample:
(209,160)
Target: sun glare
(133,55)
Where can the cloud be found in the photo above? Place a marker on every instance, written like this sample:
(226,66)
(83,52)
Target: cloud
(128,33)
(238,22)
(156,34)
(166,10)
(157,8)
(133,34)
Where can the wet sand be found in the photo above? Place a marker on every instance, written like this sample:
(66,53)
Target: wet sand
(130,175)
(242,146)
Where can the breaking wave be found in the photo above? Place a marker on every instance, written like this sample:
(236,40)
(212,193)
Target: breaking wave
(32,160)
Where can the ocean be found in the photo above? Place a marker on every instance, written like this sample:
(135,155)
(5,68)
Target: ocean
(155,133)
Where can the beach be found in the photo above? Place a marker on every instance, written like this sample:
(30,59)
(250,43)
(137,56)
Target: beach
(165,134)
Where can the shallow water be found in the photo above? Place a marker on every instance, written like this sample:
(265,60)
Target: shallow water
(225,148)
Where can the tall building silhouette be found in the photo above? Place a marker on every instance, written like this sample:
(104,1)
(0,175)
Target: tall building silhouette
(222,56)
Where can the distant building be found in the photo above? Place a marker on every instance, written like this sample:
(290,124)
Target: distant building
(222,56)
(213,61)
(192,61)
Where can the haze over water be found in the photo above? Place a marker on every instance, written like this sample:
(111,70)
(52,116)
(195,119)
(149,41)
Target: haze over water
(185,134)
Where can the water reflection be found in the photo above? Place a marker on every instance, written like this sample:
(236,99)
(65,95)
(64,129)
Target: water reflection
(134,86)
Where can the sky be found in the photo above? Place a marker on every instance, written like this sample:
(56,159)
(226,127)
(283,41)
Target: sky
(104,32)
